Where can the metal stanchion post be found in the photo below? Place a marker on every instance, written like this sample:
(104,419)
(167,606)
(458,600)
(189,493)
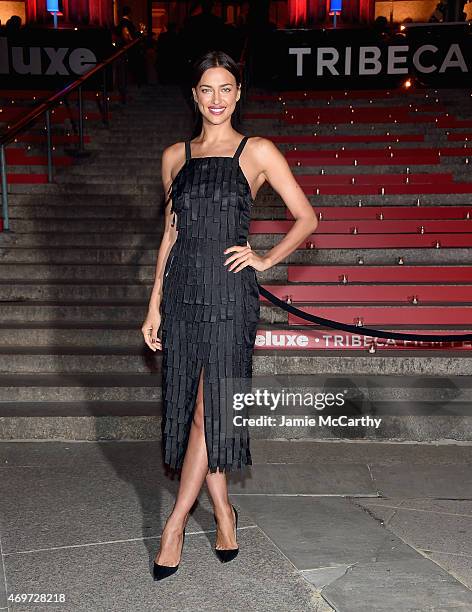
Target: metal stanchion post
(81,120)
(105,98)
(80,151)
(3,163)
(49,145)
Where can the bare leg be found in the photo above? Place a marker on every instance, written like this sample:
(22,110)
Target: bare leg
(218,489)
(192,477)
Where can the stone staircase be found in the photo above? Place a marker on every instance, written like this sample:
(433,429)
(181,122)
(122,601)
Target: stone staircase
(76,274)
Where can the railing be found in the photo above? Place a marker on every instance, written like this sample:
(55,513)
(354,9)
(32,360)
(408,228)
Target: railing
(45,108)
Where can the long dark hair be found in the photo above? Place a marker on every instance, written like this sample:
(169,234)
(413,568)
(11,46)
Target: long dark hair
(213,59)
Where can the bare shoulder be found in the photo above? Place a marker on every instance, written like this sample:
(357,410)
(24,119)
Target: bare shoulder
(174,149)
(173,157)
(264,153)
(262,147)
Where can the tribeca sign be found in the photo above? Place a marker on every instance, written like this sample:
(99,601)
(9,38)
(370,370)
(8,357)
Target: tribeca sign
(372,60)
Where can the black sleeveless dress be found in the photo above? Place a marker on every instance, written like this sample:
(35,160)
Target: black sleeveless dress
(209,314)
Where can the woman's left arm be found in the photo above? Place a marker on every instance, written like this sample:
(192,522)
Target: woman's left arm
(277,172)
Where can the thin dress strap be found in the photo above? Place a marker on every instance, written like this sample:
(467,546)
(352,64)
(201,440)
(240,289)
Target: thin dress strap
(188,152)
(240,148)
(188,155)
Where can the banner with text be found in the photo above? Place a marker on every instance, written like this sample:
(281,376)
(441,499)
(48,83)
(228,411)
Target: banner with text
(51,59)
(439,56)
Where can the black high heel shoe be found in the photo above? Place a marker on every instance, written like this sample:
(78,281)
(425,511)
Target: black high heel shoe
(164,571)
(228,554)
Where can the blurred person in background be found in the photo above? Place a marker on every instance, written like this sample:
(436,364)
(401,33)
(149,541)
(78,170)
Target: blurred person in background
(169,56)
(127,31)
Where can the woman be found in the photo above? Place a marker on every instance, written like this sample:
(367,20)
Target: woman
(206,287)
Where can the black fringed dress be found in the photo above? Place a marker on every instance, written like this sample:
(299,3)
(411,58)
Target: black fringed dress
(209,315)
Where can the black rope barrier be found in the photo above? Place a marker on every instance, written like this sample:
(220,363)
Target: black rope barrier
(360,329)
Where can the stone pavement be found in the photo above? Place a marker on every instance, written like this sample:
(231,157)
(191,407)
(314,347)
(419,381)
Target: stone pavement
(346,526)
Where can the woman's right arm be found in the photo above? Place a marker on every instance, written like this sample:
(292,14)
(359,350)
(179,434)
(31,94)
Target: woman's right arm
(153,318)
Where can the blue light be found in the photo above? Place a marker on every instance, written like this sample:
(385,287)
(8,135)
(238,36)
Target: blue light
(53,6)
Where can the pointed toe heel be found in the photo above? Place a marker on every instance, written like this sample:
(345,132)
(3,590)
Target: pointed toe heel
(228,554)
(164,571)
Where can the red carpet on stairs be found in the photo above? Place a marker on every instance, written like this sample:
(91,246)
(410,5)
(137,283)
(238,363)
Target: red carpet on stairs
(338,138)
(393,294)
(390,315)
(400,226)
(323,152)
(375,274)
(421,213)
(339,144)
(29,148)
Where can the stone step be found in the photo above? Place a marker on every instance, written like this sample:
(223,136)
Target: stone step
(119,387)
(130,179)
(52,239)
(271,126)
(88,335)
(266,197)
(426,99)
(125,152)
(118,410)
(125,148)
(96,191)
(85,211)
(89,220)
(138,264)
(132,312)
(56,291)
(316,111)
(129,213)
(55,200)
(155,132)
(26,169)
(431,139)
(141,272)
(102,290)
(101,188)
(431,105)
(135,427)
(125,181)
(26,276)
(266,363)
(155,136)
(429,199)
(455,165)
